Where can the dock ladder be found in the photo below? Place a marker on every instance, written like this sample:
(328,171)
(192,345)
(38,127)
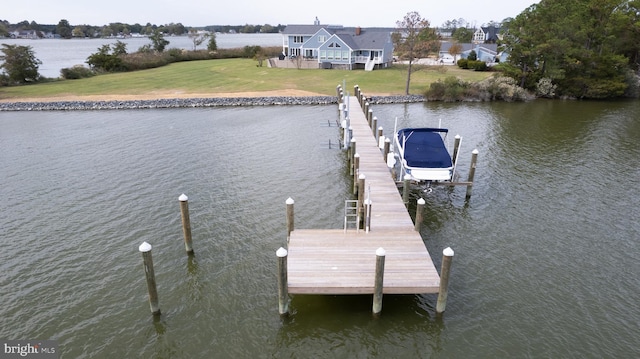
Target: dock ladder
(351,214)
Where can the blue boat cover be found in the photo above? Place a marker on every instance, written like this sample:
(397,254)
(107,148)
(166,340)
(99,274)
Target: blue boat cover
(424,147)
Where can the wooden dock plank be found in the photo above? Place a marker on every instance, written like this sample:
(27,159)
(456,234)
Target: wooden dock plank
(343,262)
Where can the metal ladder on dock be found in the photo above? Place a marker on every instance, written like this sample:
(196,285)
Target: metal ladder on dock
(351,214)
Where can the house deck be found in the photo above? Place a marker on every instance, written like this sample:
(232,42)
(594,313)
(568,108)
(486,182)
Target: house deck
(343,262)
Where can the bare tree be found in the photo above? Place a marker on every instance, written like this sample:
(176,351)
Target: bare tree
(197,38)
(413,38)
(455,50)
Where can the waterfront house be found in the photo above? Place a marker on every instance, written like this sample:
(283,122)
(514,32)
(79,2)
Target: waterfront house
(337,47)
(484,52)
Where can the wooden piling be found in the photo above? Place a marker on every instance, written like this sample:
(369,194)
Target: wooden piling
(419,214)
(370,117)
(367,215)
(374,126)
(186,222)
(456,148)
(406,186)
(387,146)
(283,288)
(147,260)
(447,257)
(356,172)
(352,153)
(289,203)
(380,138)
(379,281)
(361,193)
(472,172)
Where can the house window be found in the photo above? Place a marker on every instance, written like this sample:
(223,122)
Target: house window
(322,39)
(323,54)
(330,55)
(298,39)
(345,55)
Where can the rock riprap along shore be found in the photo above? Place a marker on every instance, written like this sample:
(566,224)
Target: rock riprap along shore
(190,102)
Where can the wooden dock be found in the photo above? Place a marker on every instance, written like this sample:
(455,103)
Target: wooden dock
(343,262)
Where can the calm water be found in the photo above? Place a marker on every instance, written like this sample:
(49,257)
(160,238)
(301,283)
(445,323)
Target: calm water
(57,54)
(546,251)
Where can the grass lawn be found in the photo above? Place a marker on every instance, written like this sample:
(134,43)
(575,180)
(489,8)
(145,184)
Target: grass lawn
(238,76)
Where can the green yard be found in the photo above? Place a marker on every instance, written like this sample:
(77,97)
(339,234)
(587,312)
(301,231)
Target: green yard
(237,76)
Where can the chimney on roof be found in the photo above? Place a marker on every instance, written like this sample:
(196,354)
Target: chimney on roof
(316,21)
(358,31)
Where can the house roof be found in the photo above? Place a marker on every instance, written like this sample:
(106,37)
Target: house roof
(491,32)
(369,38)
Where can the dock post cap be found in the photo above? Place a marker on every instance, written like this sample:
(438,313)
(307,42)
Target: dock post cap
(281,252)
(357,155)
(353,139)
(448,252)
(407,177)
(380,128)
(421,201)
(289,200)
(361,176)
(458,137)
(368,201)
(183,198)
(387,139)
(144,247)
(380,252)
(475,152)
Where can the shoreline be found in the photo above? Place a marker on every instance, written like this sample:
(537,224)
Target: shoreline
(187,102)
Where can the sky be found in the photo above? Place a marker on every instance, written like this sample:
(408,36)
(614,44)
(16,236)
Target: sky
(372,13)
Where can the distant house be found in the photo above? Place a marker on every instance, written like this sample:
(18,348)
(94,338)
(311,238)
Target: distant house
(24,34)
(485,52)
(335,46)
(486,34)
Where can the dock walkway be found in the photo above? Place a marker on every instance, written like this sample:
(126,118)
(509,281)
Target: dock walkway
(335,261)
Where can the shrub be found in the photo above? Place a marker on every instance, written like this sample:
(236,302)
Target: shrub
(545,88)
(479,65)
(451,90)
(103,60)
(463,64)
(502,88)
(76,72)
(496,88)
(145,60)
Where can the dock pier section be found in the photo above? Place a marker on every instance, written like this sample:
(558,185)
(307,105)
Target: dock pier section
(348,261)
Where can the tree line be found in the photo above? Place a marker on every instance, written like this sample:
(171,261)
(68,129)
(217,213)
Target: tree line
(576,48)
(66,30)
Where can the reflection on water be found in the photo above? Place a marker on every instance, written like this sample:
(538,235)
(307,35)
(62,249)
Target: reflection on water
(545,248)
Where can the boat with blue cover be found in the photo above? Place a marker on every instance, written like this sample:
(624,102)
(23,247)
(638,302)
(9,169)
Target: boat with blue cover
(423,155)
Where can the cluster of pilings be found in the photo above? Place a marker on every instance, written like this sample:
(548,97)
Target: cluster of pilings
(147,259)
